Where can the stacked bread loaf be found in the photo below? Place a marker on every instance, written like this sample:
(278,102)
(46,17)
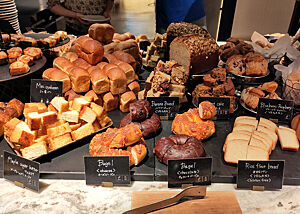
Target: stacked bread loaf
(126,141)
(47,128)
(167,79)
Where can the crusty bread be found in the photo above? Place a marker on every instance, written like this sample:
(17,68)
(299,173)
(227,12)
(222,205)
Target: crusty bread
(34,120)
(62,64)
(83,131)
(55,74)
(35,150)
(22,135)
(288,139)
(256,153)
(117,80)
(80,79)
(70,56)
(59,141)
(125,100)
(100,81)
(81,63)
(87,114)
(110,101)
(48,118)
(236,150)
(101,65)
(70,116)
(128,70)
(79,103)
(101,32)
(60,104)
(58,130)
(10,126)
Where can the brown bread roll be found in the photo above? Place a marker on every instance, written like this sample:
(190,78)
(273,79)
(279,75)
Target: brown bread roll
(81,63)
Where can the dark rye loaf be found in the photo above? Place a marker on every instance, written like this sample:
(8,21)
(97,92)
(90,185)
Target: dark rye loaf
(195,53)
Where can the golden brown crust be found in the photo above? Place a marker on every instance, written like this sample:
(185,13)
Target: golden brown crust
(207,110)
(18,67)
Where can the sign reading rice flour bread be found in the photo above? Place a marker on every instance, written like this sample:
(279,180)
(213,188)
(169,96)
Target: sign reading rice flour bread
(22,172)
(44,90)
(278,110)
(222,105)
(189,172)
(260,174)
(107,170)
(165,107)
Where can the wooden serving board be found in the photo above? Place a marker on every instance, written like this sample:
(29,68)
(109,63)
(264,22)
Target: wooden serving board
(215,202)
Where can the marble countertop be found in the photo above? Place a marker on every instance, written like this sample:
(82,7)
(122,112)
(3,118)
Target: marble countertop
(74,196)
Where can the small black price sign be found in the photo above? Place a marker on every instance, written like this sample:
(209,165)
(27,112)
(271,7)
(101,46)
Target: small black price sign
(267,174)
(22,171)
(165,107)
(44,90)
(113,169)
(189,171)
(222,105)
(280,110)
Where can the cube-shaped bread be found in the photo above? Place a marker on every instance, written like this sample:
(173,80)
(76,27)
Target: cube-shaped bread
(48,118)
(99,111)
(96,125)
(134,86)
(87,114)
(79,103)
(75,126)
(58,130)
(52,108)
(104,121)
(126,98)
(34,120)
(35,107)
(16,104)
(22,135)
(70,116)
(60,104)
(83,131)
(59,141)
(110,101)
(95,98)
(10,126)
(35,150)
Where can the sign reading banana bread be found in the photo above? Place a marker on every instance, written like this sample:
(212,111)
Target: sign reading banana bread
(266,174)
(189,171)
(165,107)
(21,171)
(44,90)
(222,105)
(280,110)
(107,169)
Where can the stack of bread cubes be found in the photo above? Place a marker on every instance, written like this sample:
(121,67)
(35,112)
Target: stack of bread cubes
(251,139)
(47,128)
(111,76)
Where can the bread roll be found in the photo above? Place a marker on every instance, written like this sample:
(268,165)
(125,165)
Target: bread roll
(101,32)
(80,80)
(88,49)
(71,56)
(101,65)
(207,110)
(55,74)
(109,58)
(100,81)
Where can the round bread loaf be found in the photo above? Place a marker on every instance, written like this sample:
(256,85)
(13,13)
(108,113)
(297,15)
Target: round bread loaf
(178,147)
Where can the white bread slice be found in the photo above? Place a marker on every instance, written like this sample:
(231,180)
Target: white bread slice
(59,130)
(79,103)
(268,123)
(245,120)
(236,150)
(87,114)
(70,116)
(236,136)
(265,138)
(256,153)
(34,120)
(271,133)
(288,139)
(259,142)
(245,127)
(60,104)
(59,141)
(35,150)
(22,135)
(83,131)
(48,118)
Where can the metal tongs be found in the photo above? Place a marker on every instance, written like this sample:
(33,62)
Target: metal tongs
(190,193)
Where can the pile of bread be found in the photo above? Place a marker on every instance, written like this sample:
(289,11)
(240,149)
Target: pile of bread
(47,128)
(251,139)
(250,96)
(13,108)
(125,141)
(167,79)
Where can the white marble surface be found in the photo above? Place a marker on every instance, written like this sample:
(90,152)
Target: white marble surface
(68,196)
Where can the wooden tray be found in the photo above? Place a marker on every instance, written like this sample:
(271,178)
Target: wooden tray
(215,202)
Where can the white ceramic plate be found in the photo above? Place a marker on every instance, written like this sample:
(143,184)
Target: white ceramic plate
(95,18)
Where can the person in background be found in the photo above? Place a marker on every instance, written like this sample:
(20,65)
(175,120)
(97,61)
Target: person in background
(168,11)
(74,11)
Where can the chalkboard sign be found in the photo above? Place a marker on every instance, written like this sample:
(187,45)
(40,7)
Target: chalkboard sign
(280,110)
(21,170)
(222,105)
(44,91)
(114,169)
(165,107)
(268,174)
(189,171)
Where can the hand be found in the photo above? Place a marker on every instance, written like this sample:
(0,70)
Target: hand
(79,17)
(106,14)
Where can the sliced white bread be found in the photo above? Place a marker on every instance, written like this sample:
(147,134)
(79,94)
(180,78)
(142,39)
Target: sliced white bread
(236,136)
(35,150)
(268,123)
(236,150)
(259,142)
(245,120)
(265,138)
(256,153)
(288,139)
(271,133)
(244,127)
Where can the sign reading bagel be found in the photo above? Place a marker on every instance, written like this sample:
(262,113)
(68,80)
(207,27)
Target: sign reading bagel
(165,107)
(266,174)
(107,169)
(280,110)
(222,105)
(189,171)
(43,91)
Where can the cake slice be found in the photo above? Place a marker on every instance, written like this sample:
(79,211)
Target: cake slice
(256,153)
(288,139)
(236,150)
(35,150)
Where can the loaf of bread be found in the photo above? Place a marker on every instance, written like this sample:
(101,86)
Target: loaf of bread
(62,64)
(195,53)
(101,32)
(110,101)
(80,79)
(81,63)
(134,86)
(128,70)
(125,57)
(55,74)
(71,56)
(89,49)
(117,79)
(125,100)
(100,81)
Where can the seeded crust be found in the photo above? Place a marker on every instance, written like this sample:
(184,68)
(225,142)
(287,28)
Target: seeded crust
(183,28)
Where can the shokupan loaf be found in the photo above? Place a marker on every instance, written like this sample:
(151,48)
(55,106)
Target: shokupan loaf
(102,32)
(55,74)
(80,79)
(89,49)
(195,53)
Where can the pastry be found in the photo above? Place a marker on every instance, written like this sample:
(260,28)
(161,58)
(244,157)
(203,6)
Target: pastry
(18,67)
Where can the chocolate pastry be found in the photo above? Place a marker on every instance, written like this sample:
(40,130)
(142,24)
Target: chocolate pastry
(140,110)
(178,147)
